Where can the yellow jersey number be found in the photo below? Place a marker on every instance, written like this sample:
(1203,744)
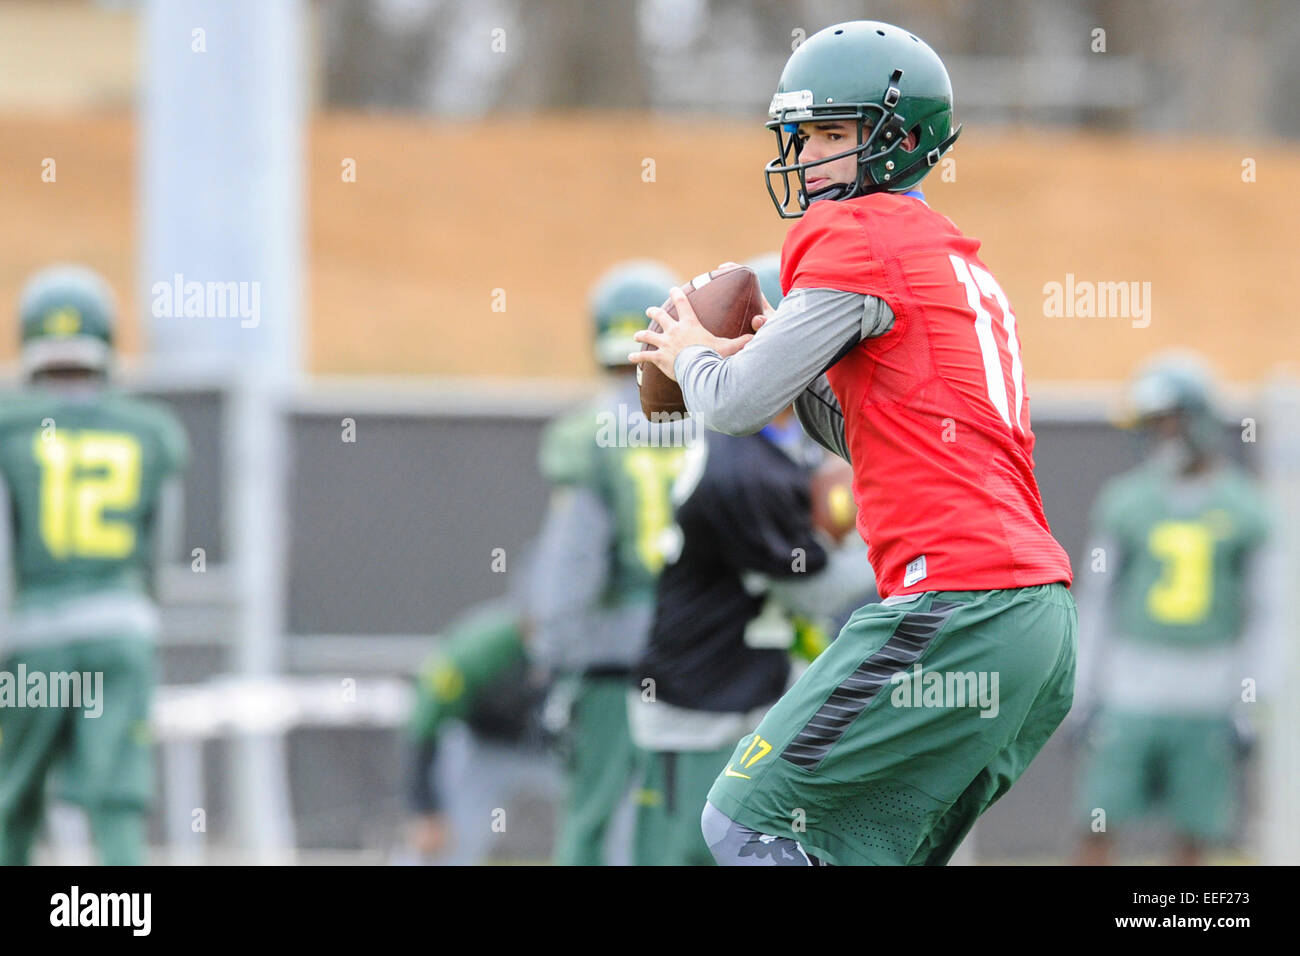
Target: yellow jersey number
(83,475)
(1183,593)
(653,471)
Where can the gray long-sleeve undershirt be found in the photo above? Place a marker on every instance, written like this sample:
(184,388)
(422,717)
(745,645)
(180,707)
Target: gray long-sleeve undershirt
(570,574)
(819,412)
(811,330)
(571,629)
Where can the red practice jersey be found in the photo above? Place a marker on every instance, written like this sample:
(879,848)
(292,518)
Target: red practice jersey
(936,413)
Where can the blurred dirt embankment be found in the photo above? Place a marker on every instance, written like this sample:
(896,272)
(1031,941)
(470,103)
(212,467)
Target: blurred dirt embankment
(408,262)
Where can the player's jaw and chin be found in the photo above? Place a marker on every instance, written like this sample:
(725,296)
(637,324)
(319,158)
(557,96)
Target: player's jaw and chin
(835,166)
(835,170)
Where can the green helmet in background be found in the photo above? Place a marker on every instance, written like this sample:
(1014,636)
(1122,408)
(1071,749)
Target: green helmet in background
(768,267)
(887,81)
(66,317)
(618,303)
(1177,386)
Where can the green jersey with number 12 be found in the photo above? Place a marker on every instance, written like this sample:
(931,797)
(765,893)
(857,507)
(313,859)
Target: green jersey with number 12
(83,478)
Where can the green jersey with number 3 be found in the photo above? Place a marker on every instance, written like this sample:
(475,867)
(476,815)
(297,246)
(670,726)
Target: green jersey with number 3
(83,479)
(1179,579)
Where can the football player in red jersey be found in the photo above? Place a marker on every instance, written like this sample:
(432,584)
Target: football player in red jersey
(899,350)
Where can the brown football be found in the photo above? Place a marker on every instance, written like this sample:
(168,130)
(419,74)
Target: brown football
(833,508)
(725,301)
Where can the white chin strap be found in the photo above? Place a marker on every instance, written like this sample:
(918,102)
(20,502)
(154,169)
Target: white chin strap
(78,351)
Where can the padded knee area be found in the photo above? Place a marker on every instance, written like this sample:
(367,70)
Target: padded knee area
(734,844)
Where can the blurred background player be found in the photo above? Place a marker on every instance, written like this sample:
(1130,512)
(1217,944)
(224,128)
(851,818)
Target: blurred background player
(477,741)
(1176,621)
(750,584)
(601,548)
(725,622)
(91,482)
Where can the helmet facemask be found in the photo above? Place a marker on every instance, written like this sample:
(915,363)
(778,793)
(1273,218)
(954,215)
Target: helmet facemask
(885,127)
(1180,439)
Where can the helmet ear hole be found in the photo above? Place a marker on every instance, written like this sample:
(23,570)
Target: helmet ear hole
(913,138)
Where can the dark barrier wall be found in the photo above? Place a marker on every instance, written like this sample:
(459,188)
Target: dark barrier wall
(395,533)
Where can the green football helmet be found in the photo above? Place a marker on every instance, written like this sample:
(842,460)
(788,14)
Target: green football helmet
(884,79)
(1176,386)
(66,319)
(618,303)
(768,267)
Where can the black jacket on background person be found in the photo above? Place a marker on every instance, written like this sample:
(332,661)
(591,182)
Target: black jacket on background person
(749,514)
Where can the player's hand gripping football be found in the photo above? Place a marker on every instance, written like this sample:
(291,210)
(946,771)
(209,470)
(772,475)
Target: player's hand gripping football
(681,333)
